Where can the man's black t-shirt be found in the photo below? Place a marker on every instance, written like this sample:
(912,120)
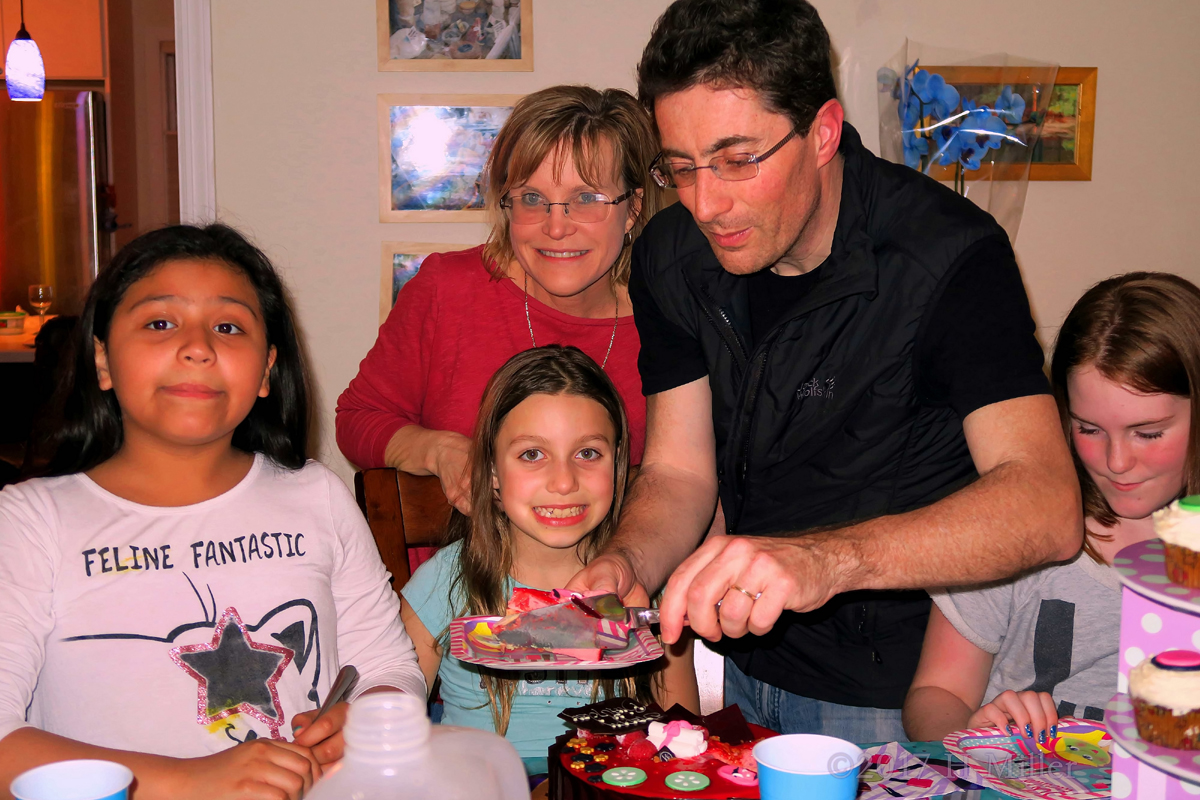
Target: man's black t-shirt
(975,349)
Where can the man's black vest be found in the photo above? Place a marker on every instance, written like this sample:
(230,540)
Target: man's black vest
(819,422)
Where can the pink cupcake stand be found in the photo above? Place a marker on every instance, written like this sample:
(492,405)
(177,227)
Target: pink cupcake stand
(1156,615)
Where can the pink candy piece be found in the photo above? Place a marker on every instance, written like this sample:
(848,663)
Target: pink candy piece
(738,776)
(1178,659)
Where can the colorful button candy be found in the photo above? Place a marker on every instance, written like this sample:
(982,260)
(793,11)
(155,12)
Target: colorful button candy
(624,776)
(687,781)
(738,775)
(1177,660)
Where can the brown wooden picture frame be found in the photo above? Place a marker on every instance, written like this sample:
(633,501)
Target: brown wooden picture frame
(389,64)
(386,103)
(1082,77)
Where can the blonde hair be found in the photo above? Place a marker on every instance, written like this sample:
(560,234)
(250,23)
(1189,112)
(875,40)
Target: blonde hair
(485,560)
(586,124)
(1141,330)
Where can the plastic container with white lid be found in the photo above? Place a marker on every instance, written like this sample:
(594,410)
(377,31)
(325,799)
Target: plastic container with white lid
(393,752)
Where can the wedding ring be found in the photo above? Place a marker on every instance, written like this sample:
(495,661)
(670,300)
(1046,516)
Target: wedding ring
(752,596)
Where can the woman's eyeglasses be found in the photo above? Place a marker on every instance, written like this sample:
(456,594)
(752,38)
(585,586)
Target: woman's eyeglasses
(682,174)
(530,208)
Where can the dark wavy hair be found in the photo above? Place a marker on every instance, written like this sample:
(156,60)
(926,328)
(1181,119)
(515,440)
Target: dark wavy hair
(1141,330)
(778,48)
(91,431)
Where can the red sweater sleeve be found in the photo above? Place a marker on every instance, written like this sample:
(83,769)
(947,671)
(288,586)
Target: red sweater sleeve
(390,387)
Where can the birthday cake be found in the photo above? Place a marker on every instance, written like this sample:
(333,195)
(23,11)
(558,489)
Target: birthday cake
(1165,690)
(1178,525)
(622,749)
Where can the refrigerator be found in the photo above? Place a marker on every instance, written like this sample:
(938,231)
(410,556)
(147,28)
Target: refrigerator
(55,215)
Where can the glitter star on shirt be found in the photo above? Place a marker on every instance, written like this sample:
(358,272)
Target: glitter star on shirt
(236,675)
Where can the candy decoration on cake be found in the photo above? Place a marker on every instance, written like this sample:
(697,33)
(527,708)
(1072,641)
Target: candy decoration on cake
(616,715)
(624,776)
(687,781)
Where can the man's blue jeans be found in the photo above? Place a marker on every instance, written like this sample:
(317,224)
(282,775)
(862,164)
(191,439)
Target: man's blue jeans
(779,710)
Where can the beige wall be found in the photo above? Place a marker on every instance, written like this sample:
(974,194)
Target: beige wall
(294,95)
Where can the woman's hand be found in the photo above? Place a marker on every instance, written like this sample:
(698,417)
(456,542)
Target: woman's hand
(262,769)
(452,465)
(1033,713)
(421,451)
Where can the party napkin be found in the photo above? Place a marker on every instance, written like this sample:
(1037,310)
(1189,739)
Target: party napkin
(1073,765)
(892,771)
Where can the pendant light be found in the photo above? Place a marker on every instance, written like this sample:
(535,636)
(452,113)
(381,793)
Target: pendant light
(24,71)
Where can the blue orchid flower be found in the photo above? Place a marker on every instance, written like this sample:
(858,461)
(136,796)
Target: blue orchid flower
(948,139)
(914,147)
(1010,107)
(939,97)
(986,127)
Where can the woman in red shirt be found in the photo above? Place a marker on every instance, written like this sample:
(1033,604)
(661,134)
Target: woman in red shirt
(567,183)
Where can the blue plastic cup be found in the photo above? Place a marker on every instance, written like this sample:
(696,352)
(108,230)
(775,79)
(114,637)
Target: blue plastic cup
(74,780)
(809,766)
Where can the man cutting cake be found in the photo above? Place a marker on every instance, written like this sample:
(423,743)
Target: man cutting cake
(841,351)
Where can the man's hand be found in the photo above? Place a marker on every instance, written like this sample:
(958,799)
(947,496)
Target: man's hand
(262,769)
(715,588)
(324,737)
(611,572)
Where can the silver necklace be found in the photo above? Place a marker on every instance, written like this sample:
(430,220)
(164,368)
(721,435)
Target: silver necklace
(611,339)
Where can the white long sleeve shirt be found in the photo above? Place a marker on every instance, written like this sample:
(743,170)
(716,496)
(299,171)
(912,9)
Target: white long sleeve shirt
(182,631)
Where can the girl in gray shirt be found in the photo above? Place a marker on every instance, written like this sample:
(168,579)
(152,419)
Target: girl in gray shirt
(1042,645)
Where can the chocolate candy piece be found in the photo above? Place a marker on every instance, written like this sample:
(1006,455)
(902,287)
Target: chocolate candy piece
(594,768)
(616,715)
(1177,660)
(666,755)
(582,758)
(595,778)
(624,776)
(687,781)
(606,747)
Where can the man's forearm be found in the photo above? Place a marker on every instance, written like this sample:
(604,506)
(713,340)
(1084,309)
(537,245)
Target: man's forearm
(1013,518)
(664,517)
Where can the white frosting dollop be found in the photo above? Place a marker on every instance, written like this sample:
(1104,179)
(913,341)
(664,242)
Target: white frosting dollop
(681,738)
(1173,689)
(1178,525)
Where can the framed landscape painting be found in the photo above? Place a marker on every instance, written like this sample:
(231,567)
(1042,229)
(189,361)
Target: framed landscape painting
(400,263)
(455,35)
(1064,151)
(432,150)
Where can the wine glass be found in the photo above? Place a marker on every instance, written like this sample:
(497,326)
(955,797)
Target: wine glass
(41,295)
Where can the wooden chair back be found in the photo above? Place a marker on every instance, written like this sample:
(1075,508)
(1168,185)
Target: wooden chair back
(403,511)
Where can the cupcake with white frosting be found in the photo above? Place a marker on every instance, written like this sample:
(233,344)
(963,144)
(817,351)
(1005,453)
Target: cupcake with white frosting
(1165,690)
(1178,525)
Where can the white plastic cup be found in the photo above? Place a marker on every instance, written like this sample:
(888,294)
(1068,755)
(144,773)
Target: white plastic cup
(74,780)
(809,766)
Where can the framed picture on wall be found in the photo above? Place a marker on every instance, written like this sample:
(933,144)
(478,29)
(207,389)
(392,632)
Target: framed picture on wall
(1064,152)
(432,150)
(400,263)
(455,35)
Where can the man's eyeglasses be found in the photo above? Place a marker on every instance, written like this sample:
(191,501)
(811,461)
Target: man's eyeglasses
(530,208)
(682,174)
